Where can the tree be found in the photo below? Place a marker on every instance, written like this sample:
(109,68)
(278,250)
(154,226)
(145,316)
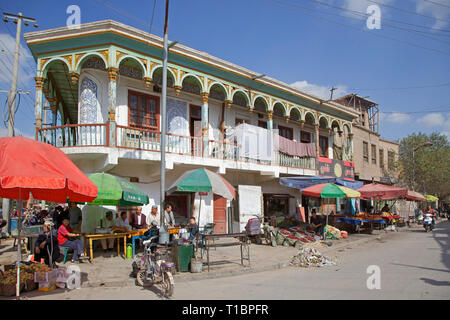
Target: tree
(429,171)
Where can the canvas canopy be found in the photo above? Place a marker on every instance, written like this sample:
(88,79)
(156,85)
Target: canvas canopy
(382,192)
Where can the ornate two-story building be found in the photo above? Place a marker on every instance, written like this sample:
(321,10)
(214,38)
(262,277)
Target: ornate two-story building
(103,82)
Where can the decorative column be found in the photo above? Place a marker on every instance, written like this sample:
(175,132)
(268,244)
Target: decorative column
(205,123)
(38,104)
(269,119)
(316,133)
(350,141)
(112,92)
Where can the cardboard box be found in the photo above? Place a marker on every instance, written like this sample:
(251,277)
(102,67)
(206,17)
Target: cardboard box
(47,286)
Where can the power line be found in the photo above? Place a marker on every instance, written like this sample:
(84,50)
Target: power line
(413,112)
(367,15)
(407,11)
(437,3)
(402,88)
(153,14)
(361,30)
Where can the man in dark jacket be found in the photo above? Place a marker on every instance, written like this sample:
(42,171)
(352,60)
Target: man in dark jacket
(47,245)
(138,220)
(58,216)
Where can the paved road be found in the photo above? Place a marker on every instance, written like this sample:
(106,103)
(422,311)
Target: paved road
(413,264)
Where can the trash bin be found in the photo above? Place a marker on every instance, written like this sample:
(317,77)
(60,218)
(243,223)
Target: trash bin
(185,254)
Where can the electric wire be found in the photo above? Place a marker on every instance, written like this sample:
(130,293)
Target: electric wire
(438,3)
(363,30)
(401,88)
(153,14)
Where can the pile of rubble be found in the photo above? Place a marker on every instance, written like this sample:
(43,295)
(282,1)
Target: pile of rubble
(310,257)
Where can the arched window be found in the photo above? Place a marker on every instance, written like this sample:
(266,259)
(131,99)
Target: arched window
(88,101)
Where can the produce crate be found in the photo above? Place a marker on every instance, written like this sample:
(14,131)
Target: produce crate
(45,276)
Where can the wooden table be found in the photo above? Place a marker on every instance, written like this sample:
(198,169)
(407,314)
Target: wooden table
(91,237)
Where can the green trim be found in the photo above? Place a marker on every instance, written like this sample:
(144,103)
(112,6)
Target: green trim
(105,39)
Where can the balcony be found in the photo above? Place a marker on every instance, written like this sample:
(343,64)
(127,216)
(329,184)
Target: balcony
(97,135)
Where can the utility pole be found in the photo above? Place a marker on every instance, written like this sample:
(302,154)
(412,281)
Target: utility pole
(163,117)
(331,90)
(17,19)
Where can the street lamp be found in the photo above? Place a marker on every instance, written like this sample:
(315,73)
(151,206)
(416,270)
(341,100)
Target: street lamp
(428,143)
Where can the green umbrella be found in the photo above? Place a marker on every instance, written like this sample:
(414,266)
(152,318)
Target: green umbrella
(114,190)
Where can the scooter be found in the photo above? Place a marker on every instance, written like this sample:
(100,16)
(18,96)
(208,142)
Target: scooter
(428,222)
(152,271)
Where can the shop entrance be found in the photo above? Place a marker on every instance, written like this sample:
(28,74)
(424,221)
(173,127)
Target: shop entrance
(220,214)
(180,207)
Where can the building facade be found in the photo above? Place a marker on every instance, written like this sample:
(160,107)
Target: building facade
(103,82)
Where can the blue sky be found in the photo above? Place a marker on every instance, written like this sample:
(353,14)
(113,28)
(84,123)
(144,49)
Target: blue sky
(312,44)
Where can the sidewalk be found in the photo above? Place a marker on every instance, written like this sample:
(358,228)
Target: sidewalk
(109,270)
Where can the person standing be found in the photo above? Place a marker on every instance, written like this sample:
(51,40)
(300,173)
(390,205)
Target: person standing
(169,220)
(75,217)
(59,215)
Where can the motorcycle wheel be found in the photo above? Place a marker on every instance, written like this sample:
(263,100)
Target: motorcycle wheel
(142,279)
(168,284)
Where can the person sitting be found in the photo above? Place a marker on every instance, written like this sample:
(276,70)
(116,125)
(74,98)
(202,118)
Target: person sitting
(153,217)
(108,223)
(121,223)
(385,208)
(316,222)
(193,228)
(138,219)
(67,238)
(46,245)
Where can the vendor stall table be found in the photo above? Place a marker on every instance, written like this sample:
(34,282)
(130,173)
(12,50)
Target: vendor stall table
(137,234)
(359,222)
(118,236)
(243,242)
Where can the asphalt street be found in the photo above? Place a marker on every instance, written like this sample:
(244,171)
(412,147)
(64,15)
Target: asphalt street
(413,264)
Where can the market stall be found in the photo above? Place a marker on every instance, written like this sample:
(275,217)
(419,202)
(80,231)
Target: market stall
(44,172)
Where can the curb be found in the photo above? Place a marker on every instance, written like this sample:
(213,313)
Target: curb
(224,274)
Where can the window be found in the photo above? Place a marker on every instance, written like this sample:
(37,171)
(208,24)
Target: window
(374,154)
(366,151)
(305,136)
(391,159)
(381,151)
(262,124)
(288,133)
(143,110)
(323,146)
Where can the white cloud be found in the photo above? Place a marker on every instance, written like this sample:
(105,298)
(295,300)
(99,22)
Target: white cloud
(320,91)
(438,12)
(430,120)
(396,117)
(7,48)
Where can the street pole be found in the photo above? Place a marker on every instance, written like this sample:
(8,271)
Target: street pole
(163,118)
(17,19)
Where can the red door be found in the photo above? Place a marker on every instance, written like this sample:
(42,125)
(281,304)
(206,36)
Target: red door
(220,214)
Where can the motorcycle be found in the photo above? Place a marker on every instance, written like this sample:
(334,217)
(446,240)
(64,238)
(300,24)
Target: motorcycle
(153,271)
(428,223)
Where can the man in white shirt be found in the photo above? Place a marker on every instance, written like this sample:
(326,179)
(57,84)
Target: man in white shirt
(153,216)
(107,223)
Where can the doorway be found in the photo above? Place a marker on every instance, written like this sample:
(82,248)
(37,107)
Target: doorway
(195,117)
(220,214)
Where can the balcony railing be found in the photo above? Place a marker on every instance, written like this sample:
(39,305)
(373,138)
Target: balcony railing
(83,135)
(75,135)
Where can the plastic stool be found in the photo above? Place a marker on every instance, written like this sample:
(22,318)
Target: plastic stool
(66,251)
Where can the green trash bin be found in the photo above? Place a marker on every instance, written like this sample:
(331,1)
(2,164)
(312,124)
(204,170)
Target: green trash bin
(185,254)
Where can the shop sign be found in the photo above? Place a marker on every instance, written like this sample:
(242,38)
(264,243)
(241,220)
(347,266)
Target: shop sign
(203,193)
(336,168)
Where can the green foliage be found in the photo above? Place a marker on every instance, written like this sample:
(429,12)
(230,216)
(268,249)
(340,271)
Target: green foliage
(430,170)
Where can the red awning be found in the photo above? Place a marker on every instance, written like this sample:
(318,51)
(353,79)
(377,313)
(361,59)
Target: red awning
(415,196)
(29,166)
(382,192)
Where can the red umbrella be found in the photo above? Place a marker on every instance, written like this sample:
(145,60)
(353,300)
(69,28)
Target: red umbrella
(35,167)
(382,192)
(29,166)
